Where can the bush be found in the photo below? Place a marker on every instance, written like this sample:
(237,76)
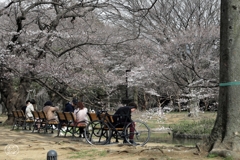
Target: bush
(198,127)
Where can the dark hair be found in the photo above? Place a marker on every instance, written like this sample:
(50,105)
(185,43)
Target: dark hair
(28,101)
(48,103)
(33,101)
(75,101)
(80,105)
(133,105)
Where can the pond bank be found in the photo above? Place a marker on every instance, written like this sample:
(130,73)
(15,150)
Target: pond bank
(176,138)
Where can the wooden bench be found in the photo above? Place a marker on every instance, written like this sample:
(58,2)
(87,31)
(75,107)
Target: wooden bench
(17,121)
(47,123)
(70,118)
(42,123)
(26,121)
(114,126)
(20,120)
(62,122)
(37,124)
(92,116)
(67,119)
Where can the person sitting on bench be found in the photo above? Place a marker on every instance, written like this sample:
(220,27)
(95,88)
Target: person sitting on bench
(123,116)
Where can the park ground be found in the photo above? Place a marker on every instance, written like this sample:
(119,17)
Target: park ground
(24,145)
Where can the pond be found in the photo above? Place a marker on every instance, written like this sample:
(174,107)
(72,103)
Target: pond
(159,137)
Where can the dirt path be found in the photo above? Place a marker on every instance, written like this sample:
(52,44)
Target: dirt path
(24,145)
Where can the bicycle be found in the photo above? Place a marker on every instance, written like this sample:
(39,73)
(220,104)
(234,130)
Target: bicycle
(102,130)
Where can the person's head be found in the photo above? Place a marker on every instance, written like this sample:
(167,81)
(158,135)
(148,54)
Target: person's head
(28,101)
(33,101)
(74,101)
(48,103)
(80,105)
(133,106)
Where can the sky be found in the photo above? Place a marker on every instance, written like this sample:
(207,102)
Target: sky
(1,1)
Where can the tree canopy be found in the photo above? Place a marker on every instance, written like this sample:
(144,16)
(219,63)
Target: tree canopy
(78,46)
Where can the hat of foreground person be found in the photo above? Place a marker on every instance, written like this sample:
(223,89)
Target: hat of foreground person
(48,103)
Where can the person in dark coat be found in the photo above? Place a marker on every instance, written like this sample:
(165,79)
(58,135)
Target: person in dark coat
(70,106)
(24,109)
(123,116)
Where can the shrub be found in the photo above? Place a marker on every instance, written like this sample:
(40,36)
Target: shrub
(197,127)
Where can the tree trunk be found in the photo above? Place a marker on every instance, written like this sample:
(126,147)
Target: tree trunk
(178,102)
(135,95)
(23,90)
(145,101)
(224,139)
(12,99)
(8,99)
(194,107)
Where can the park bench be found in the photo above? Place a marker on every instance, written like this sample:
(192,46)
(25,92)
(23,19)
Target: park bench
(62,122)
(42,123)
(48,124)
(21,120)
(67,119)
(26,122)
(101,131)
(93,116)
(115,127)
(37,124)
(16,121)
(109,121)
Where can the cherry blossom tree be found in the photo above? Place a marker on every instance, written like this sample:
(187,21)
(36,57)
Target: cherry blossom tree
(65,45)
(73,47)
(186,50)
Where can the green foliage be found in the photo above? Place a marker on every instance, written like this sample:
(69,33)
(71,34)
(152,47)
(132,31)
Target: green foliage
(197,127)
(228,158)
(212,155)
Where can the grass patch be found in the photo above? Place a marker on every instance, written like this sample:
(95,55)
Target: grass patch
(179,122)
(212,155)
(88,154)
(197,127)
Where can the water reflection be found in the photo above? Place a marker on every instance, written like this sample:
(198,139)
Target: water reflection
(157,137)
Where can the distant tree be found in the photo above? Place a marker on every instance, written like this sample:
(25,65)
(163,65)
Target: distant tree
(185,53)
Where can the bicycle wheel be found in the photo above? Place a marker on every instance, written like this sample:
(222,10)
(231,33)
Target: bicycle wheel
(141,133)
(77,132)
(97,133)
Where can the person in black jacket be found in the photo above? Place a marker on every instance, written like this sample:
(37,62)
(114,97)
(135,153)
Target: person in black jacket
(69,107)
(123,116)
